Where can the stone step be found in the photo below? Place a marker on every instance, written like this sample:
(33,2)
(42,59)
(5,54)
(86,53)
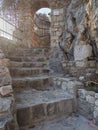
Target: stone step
(31,52)
(33,59)
(24,72)
(28,64)
(39,83)
(36,106)
(5,122)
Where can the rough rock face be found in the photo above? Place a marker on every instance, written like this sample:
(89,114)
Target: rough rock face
(81,25)
(80,29)
(7,115)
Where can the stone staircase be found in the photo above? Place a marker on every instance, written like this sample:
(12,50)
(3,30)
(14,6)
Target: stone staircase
(37,99)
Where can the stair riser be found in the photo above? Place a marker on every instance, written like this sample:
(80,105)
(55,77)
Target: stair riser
(28,117)
(28,59)
(41,84)
(24,73)
(31,52)
(27,64)
(29,55)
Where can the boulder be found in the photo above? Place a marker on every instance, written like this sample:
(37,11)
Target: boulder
(82,52)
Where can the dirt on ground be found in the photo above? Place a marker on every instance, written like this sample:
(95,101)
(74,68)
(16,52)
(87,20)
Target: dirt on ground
(70,123)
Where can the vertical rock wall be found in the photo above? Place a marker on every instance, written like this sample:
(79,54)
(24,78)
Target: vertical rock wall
(81,29)
(78,34)
(7,103)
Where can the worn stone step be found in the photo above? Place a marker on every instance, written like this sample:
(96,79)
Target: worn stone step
(5,122)
(39,83)
(36,106)
(33,59)
(30,52)
(24,72)
(28,64)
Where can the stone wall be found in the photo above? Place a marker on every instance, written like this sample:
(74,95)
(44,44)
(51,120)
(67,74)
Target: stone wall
(83,72)
(41,30)
(78,33)
(57,25)
(7,111)
(41,25)
(69,85)
(88,104)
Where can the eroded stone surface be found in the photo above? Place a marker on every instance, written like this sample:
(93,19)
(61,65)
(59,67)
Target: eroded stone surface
(5,90)
(70,123)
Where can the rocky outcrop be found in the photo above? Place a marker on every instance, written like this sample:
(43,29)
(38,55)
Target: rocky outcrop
(7,103)
(81,28)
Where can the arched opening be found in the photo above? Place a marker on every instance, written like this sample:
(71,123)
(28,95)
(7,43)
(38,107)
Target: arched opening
(42,22)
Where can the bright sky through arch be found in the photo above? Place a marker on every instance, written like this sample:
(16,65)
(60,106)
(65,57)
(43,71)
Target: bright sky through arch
(44,11)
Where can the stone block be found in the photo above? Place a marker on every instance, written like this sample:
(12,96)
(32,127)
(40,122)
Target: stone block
(96,122)
(5,105)
(64,64)
(5,121)
(38,112)
(90,99)
(5,90)
(64,85)
(61,11)
(82,63)
(5,80)
(24,117)
(81,78)
(58,83)
(96,95)
(71,86)
(82,93)
(3,71)
(96,103)
(92,63)
(52,109)
(95,113)
(4,62)
(82,52)
(65,107)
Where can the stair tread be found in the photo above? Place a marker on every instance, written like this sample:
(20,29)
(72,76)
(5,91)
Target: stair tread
(27,68)
(31,78)
(37,64)
(31,97)
(23,62)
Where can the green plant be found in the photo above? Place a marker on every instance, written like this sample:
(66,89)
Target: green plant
(92,87)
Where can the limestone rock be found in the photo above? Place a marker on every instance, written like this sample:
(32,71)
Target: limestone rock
(90,99)
(96,103)
(82,93)
(82,63)
(96,95)
(5,90)
(4,62)
(5,104)
(82,52)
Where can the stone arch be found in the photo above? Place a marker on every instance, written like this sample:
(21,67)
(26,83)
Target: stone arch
(27,21)
(36,5)
(39,40)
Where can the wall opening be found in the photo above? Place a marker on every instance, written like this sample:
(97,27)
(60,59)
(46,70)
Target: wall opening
(42,23)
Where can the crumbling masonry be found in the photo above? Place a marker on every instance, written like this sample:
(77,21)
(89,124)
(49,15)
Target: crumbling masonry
(39,83)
